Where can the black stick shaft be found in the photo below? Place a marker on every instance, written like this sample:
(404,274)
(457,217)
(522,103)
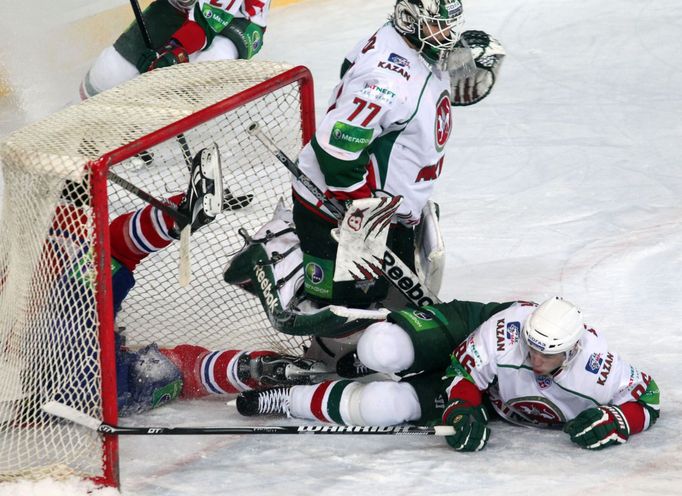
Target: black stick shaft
(295,429)
(140,23)
(181,219)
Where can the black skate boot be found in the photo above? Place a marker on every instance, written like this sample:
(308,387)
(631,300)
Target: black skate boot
(280,370)
(204,197)
(273,401)
(349,366)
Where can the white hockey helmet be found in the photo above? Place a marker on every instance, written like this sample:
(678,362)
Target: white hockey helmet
(446,21)
(554,327)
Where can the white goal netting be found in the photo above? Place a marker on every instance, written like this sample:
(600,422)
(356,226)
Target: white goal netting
(53,228)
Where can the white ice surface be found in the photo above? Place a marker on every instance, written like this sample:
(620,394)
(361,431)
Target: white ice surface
(566,180)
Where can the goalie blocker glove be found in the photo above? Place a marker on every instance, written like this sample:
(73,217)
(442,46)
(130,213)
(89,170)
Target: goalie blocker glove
(472,87)
(599,427)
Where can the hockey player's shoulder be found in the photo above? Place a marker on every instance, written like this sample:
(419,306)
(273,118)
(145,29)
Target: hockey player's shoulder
(386,55)
(508,325)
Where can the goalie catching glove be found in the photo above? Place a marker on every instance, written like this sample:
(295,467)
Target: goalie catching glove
(599,427)
(470,423)
(172,53)
(470,87)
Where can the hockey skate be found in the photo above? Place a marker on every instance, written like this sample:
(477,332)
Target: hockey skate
(204,197)
(282,370)
(273,401)
(349,366)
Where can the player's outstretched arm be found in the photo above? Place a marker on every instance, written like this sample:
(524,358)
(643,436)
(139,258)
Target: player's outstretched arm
(608,425)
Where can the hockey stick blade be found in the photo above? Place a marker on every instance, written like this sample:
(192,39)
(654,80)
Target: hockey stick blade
(66,412)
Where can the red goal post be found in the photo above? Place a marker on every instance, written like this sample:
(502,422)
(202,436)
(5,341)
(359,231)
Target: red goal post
(57,339)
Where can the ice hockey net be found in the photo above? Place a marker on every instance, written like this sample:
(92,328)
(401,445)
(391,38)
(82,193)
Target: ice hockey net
(56,339)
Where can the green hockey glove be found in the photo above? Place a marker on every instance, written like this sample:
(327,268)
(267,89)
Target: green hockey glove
(599,427)
(470,423)
(171,54)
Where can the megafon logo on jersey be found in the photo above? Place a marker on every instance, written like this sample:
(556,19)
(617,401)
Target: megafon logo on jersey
(314,272)
(399,60)
(443,122)
(594,363)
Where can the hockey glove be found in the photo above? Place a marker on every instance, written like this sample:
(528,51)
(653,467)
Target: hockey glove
(488,54)
(253,6)
(171,54)
(469,422)
(597,428)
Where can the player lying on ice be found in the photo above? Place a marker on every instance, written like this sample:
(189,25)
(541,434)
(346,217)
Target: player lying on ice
(180,31)
(150,377)
(531,365)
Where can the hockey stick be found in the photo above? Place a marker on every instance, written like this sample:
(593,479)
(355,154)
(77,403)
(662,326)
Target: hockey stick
(393,268)
(140,22)
(139,18)
(66,412)
(180,218)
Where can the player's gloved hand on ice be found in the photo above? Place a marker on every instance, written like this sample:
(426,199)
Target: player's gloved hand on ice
(253,6)
(170,54)
(488,54)
(599,427)
(470,423)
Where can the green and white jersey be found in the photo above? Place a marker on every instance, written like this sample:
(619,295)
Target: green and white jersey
(496,357)
(386,128)
(219,13)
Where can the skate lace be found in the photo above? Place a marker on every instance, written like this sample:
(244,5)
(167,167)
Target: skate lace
(274,401)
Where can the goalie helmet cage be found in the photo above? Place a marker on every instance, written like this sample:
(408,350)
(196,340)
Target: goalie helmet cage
(56,312)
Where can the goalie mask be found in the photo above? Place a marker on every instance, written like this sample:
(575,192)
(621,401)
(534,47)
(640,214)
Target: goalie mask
(554,327)
(432,26)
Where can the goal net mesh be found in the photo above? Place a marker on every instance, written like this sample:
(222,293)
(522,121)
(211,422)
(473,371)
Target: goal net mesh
(52,233)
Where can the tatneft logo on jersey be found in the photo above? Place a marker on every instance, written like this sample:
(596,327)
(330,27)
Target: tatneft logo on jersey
(378,94)
(594,363)
(443,122)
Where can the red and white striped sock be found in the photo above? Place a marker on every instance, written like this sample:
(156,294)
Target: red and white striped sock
(220,372)
(137,234)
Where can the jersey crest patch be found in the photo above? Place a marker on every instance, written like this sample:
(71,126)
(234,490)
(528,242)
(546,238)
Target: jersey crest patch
(537,410)
(594,363)
(443,122)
